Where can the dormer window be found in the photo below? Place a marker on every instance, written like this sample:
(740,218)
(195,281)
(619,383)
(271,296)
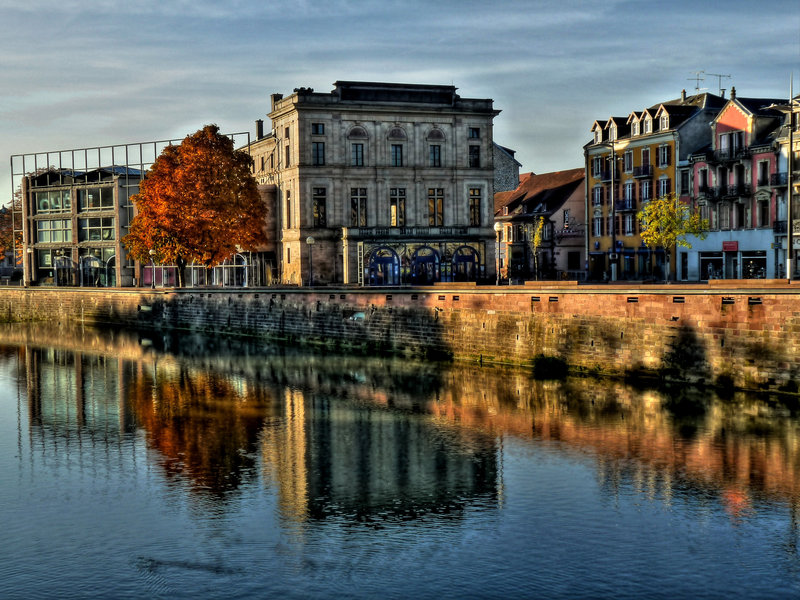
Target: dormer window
(635,130)
(598,136)
(612,133)
(648,125)
(664,124)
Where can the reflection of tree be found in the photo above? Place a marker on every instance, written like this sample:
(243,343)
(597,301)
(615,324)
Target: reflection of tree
(202,425)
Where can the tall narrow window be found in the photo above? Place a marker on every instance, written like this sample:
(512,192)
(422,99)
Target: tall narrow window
(288,222)
(288,156)
(628,161)
(358,207)
(474,207)
(435,207)
(397,155)
(397,207)
(645,157)
(357,155)
(646,190)
(663,155)
(474,157)
(436,155)
(318,205)
(474,133)
(317,153)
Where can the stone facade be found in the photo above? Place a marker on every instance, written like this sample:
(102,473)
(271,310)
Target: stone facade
(393,182)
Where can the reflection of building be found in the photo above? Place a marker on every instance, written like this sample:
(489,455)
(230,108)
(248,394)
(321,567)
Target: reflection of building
(393,182)
(555,199)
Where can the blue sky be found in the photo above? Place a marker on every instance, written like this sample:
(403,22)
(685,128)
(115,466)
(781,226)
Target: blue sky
(76,73)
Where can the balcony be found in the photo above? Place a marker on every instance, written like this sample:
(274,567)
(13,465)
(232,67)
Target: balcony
(625,205)
(779,227)
(735,191)
(706,191)
(731,154)
(606,175)
(644,171)
(778,179)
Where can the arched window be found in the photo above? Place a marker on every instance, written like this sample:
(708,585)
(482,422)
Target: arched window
(397,133)
(425,266)
(358,138)
(384,267)
(436,135)
(357,133)
(466,264)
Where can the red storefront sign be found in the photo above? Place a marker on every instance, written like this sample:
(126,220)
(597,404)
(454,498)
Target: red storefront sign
(730,246)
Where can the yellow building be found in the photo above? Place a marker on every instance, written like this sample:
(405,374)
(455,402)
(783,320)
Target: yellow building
(649,151)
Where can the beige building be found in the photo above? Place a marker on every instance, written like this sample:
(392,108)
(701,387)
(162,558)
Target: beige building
(379,184)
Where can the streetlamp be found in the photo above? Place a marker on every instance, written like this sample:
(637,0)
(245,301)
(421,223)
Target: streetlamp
(152,254)
(497,228)
(240,252)
(28,270)
(310,241)
(613,254)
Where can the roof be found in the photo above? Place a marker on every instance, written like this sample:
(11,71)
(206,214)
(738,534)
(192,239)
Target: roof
(545,192)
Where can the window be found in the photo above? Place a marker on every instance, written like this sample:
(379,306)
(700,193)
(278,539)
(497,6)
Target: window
(597,195)
(474,157)
(664,186)
(685,181)
(317,153)
(474,133)
(317,129)
(703,180)
(262,163)
(663,155)
(763,172)
(664,123)
(724,216)
(288,222)
(357,155)
(435,155)
(612,133)
(288,156)
(288,256)
(286,132)
(397,207)
(627,161)
(435,207)
(598,135)
(597,166)
(763,213)
(358,207)
(636,128)
(645,157)
(53,201)
(96,199)
(630,224)
(648,125)
(318,205)
(474,207)
(646,190)
(397,155)
(630,191)
(59,230)
(95,230)
(597,227)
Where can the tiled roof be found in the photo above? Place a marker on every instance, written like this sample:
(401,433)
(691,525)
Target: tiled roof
(548,188)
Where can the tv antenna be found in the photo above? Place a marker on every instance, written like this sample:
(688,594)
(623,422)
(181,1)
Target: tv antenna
(698,77)
(719,77)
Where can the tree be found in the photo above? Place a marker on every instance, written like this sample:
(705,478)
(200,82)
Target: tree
(198,202)
(536,243)
(666,221)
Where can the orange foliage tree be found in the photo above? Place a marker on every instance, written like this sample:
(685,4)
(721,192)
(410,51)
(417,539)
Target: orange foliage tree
(197,203)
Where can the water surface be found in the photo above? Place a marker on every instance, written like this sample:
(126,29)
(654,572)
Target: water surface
(160,467)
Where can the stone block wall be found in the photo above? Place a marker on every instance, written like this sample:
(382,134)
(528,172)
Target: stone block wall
(705,334)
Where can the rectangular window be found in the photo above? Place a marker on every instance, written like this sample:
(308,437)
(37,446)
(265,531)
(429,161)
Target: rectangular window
(357,155)
(663,155)
(59,230)
(597,166)
(630,191)
(318,206)
(597,227)
(317,153)
(96,230)
(474,207)
(397,207)
(288,156)
(436,155)
(597,195)
(286,132)
(630,224)
(474,157)
(664,187)
(474,133)
(53,201)
(645,157)
(646,190)
(724,216)
(358,207)
(435,207)
(685,181)
(288,222)
(317,129)
(96,198)
(763,172)
(636,128)
(628,161)
(397,155)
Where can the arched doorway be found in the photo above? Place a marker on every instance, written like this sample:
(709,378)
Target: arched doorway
(111,272)
(466,264)
(384,267)
(425,266)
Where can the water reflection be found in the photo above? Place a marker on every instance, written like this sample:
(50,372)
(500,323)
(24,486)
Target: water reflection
(366,439)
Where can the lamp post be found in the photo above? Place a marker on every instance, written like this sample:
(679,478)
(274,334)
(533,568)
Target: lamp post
(57,266)
(28,270)
(152,254)
(497,228)
(612,201)
(240,253)
(310,241)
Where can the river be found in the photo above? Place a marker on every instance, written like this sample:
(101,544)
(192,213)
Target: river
(157,466)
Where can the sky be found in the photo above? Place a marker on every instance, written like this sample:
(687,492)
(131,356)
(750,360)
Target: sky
(83,73)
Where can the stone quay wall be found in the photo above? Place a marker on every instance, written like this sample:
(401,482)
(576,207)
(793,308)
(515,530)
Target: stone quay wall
(708,334)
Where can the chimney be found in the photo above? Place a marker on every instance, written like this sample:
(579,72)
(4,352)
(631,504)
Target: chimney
(259,129)
(683,95)
(733,93)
